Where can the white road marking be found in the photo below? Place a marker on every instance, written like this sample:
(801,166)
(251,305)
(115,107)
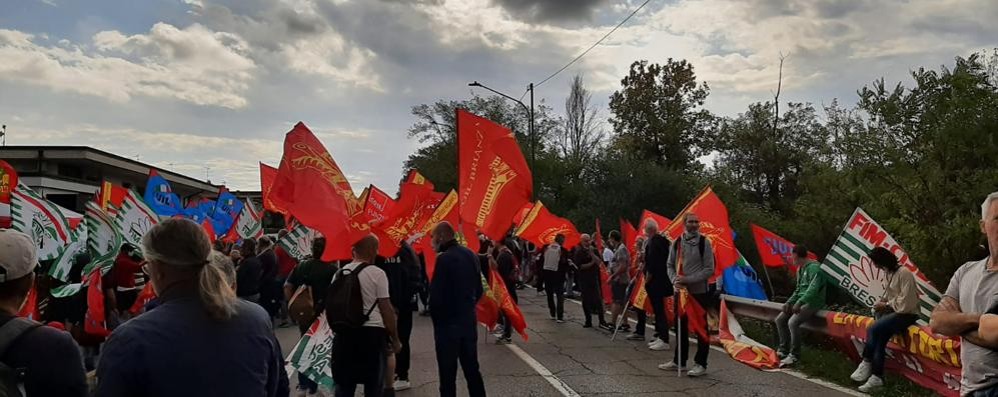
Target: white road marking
(796,374)
(558,384)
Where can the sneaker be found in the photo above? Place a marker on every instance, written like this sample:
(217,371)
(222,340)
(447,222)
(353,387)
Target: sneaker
(587,325)
(607,327)
(871,384)
(780,354)
(862,372)
(653,341)
(635,337)
(697,370)
(789,361)
(559,321)
(402,384)
(671,366)
(659,345)
(502,341)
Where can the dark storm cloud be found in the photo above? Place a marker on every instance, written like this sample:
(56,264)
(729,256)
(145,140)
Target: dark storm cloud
(551,10)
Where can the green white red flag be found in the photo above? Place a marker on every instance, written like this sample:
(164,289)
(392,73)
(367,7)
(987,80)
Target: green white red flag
(41,220)
(311,354)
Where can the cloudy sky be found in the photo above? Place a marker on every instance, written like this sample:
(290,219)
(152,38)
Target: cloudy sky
(190,84)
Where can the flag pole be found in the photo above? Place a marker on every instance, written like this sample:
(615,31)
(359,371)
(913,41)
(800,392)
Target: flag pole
(623,312)
(772,292)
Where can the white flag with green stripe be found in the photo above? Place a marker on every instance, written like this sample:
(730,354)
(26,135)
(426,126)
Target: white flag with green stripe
(134,219)
(39,218)
(847,262)
(311,356)
(298,242)
(64,263)
(248,224)
(104,238)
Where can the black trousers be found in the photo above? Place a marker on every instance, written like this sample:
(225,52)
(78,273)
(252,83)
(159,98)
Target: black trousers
(507,330)
(554,283)
(458,343)
(683,334)
(661,323)
(592,302)
(402,360)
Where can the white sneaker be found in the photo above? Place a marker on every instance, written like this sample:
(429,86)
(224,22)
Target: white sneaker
(871,384)
(559,321)
(658,346)
(653,340)
(788,361)
(671,366)
(696,371)
(862,372)
(401,384)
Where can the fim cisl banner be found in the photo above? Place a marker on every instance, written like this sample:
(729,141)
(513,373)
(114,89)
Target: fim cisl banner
(852,270)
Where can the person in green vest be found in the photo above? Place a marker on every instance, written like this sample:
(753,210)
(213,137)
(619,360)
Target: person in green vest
(807,299)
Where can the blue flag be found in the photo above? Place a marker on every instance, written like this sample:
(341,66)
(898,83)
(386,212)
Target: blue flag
(226,210)
(160,196)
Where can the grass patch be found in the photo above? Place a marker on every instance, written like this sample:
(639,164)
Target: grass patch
(821,359)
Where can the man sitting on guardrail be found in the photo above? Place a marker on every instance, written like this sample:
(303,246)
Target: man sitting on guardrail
(971,292)
(807,299)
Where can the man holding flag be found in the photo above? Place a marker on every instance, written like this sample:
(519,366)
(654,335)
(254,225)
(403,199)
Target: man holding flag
(691,264)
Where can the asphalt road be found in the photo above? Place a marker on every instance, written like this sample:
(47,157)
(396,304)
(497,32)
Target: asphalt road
(584,362)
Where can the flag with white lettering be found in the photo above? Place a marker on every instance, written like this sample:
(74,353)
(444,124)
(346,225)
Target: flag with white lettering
(312,353)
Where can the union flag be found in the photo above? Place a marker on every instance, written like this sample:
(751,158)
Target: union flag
(377,204)
(415,205)
(312,188)
(775,251)
(714,225)
(110,197)
(497,292)
(741,347)
(8,181)
(446,210)
(540,227)
(95,322)
(493,178)
(487,309)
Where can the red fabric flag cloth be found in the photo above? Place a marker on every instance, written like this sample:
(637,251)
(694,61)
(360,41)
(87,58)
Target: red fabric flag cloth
(506,304)
(659,219)
(522,213)
(714,225)
(775,251)
(445,210)
(639,297)
(493,178)
(696,316)
(313,189)
(110,197)
(95,323)
(378,204)
(267,176)
(742,348)
(487,309)
(604,282)
(210,230)
(8,181)
(599,240)
(147,294)
(30,308)
(540,227)
(415,205)
(629,235)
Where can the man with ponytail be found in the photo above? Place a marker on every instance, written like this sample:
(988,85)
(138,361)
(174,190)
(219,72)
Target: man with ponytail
(201,340)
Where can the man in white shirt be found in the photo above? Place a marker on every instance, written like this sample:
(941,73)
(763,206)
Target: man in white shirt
(359,354)
(555,267)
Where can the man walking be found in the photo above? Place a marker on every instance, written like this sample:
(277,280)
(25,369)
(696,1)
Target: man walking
(507,270)
(657,284)
(555,267)
(587,277)
(454,292)
(620,264)
(693,252)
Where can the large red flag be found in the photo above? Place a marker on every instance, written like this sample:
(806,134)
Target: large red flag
(629,235)
(775,251)
(313,189)
(267,176)
(522,213)
(714,225)
(415,204)
(741,347)
(540,227)
(497,292)
(8,181)
(95,322)
(378,204)
(494,180)
(487,309)
(659,219)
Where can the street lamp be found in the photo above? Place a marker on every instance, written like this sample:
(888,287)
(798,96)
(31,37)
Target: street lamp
(530,112)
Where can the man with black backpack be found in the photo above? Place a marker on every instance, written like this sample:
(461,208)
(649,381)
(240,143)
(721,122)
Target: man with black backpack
(454,292)
(35,360)
(363,320)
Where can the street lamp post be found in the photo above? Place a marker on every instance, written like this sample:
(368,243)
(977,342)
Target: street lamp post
(529,110)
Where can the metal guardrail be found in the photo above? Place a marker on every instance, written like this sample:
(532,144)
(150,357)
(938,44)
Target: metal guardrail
(767,311)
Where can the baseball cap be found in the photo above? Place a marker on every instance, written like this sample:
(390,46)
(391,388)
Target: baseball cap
(18,256)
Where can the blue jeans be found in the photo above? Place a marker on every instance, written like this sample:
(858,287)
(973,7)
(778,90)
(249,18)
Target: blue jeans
(880,333)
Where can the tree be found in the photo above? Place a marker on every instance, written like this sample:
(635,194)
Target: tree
(583,133)
(658,115)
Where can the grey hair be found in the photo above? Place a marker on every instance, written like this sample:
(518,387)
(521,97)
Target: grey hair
(987,204)
(224,263)
(182,245)
(651,224)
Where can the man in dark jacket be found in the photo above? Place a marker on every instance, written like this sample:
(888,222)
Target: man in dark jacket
(454,293)
(249,272)
(403,275)
(507,268)
(657,282)
(587,277)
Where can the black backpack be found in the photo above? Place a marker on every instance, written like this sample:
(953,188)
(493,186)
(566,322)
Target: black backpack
(12,379)
(345,301)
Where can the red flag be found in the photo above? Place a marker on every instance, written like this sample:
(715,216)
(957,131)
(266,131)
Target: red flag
(500,295)
(522,213)
(210,230)
(540,227)
(487,309)
(147,294)
(95,323)
(714,225)
(659,219)
(629,235)
(110,197)
(8,181)
(775,251)
(696,316)
(312,188)
(604,281)
(494,179)
(740,346)
(599,239)
(267,176)
(639,297)
(378,204)
(413,207)
(30,308)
